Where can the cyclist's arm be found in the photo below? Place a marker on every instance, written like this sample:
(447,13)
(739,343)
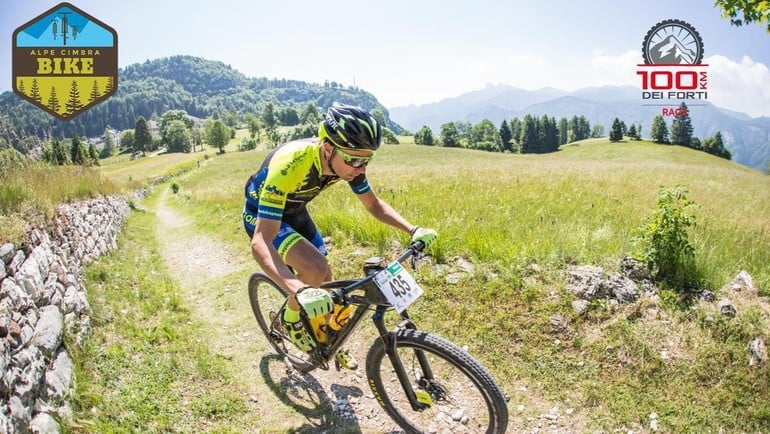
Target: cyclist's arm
(384,212)
(270,261)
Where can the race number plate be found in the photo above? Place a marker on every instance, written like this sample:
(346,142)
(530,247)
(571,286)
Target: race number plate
(398,286)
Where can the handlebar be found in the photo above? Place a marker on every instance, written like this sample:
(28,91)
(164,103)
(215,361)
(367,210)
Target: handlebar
(339,295)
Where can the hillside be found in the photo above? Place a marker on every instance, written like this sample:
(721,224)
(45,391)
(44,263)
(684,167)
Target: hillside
(747,139)
(193,84)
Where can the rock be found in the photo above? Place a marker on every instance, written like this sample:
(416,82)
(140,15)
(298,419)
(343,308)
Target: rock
(7,250)
(558,323)
(634,269)
(726,308)
(622,288)
(586,282)
(44,423)
(742,283)
(580,306)
(758,352)
(49,331)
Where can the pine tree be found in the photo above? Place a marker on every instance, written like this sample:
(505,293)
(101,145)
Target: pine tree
(94,92)
(21,87)
(142,136)
(616,133)
(92,155)
(529,139)
(73,103)
(34,92)
(60,153)
(681,127)
(53,101)
(505,136)
(632,132)
(78,152)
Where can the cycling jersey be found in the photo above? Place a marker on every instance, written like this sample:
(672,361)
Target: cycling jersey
(289,178)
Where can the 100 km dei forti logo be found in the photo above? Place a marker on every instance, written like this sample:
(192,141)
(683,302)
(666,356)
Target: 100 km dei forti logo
(672,69)
(65,61)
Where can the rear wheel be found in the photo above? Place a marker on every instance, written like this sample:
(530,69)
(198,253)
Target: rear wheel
(267,301)
(462,395)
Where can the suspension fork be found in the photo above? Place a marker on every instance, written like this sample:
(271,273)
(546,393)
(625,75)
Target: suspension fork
(389,339)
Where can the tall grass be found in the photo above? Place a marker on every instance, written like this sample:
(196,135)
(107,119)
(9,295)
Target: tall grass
(30,193)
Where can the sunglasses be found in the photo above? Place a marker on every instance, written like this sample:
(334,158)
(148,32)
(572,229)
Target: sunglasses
(353,160)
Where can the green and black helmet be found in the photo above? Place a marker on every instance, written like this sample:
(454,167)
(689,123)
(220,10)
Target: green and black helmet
(350,127)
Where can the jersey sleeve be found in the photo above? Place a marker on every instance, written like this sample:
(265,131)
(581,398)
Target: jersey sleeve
(360,185)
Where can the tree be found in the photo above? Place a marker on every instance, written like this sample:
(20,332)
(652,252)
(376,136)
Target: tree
(753,11)
(142,136)
(616,133)
(253,124)
(34,91)
(94,92)
(78,152)
(311,115)
(168,118)
(681,127)
(715,146)
(219,136)
(379,116)
(597,131)
(93,156)
(658,130)
(563,131)
(178,138)
(449,136)
(424,136)
(485,136)
(196,136)
(529,140)
(505,136)
(60,153)
(109,144)
(127,139)
(73,103)
(269,117)
(53,101)
(632,132)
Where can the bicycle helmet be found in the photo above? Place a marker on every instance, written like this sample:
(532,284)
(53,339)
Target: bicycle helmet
(350,127)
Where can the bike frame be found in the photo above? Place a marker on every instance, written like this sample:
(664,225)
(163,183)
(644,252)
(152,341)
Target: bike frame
(341,292)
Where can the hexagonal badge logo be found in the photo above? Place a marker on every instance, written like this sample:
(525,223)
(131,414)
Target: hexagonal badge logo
(65,61)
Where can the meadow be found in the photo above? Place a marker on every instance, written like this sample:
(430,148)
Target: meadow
(522,221)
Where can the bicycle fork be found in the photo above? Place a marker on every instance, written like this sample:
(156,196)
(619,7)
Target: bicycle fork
(420,399)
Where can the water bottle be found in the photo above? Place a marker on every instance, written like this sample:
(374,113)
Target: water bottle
(340,316)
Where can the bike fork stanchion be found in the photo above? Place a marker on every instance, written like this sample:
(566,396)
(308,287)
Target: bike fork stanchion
(389,338)
(424,365)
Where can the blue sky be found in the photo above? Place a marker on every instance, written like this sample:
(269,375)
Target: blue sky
(418,52)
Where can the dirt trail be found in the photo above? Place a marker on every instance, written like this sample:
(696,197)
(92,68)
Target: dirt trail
(213,279)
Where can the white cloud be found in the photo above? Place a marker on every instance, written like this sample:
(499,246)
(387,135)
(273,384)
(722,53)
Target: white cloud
(614,70)
(741,86)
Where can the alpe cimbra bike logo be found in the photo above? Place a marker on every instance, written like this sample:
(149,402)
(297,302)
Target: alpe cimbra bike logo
(65,61)
(672,71)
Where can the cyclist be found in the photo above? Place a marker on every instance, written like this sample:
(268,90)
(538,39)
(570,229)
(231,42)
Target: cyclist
(276,219)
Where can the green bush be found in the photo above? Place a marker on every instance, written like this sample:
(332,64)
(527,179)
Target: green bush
(175,187)
(662,240)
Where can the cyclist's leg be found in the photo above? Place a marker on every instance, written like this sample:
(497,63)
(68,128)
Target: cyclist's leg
(302,247)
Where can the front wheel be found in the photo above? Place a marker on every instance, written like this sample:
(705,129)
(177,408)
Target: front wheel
(462,396)
(267,301)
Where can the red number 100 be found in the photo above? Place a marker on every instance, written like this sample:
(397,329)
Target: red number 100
(666,80)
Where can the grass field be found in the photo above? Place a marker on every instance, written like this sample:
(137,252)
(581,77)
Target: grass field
(577,206)
(504,213)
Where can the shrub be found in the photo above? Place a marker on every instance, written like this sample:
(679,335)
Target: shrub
(662,240)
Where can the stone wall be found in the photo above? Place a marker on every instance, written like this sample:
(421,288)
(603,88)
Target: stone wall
(44,308)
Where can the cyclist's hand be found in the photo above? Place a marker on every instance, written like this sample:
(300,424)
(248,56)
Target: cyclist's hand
(427,236)
(315,301)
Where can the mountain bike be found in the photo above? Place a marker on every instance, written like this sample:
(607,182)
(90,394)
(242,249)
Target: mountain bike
(425,383)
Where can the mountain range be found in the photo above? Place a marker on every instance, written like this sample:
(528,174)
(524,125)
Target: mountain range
(748,139)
